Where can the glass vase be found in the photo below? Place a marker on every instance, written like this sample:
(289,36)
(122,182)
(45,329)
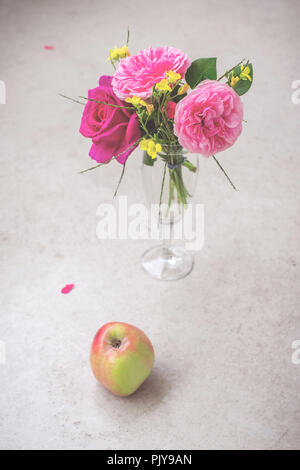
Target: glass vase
(169,183)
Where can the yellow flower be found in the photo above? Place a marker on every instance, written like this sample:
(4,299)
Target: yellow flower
(136,101)
(118,53)
(173,77)
(158,148)
(183,89)
(151,147)
(163,86)
(234,81)
(124,52)
(144,144)
(245,73)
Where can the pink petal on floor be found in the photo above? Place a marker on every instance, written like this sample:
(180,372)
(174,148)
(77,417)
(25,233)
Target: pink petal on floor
(67,288)
(48,48)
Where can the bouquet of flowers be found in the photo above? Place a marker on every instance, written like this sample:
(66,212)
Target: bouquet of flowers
(163,102)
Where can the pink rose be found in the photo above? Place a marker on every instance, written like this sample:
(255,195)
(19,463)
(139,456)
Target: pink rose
(111,129)
(136,75)
(209,119)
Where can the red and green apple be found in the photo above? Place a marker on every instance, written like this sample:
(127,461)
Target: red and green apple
(121,357)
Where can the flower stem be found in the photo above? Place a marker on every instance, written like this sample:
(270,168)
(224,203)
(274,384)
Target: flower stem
(112,158)
(128,36)
(94,167)
(111,61)
(120,180)
(224,173)
(107,104)
(161,191)
(190,166)
(71,99)
(228,71)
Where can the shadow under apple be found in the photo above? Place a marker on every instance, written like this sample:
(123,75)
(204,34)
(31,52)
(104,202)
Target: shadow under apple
(152,393)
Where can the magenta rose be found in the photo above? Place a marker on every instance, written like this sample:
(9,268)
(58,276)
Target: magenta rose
(209,119)
(111,129)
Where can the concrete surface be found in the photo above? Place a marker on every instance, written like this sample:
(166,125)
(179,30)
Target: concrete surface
(223,376)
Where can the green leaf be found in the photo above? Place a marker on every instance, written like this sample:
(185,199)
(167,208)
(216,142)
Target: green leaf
(242,86)
(201,69)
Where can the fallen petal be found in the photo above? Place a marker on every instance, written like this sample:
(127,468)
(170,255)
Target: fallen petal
(67,288)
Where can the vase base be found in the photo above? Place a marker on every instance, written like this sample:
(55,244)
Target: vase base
(167,263)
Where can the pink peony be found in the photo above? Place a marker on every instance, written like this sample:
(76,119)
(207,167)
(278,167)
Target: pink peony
(111,129)
(136,75)
(209,119)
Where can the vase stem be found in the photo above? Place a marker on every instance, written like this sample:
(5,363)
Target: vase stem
(169,183)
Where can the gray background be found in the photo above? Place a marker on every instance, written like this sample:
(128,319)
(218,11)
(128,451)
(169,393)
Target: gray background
(223,376)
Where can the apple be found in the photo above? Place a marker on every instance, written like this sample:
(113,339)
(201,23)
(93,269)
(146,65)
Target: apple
(121,357)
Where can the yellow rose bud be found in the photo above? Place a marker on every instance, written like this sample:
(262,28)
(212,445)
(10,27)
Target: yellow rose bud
(183,89)
(150,108)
